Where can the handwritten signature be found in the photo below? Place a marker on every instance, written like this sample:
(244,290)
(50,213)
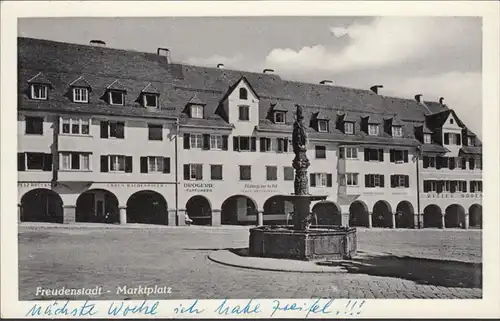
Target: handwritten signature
(315,308)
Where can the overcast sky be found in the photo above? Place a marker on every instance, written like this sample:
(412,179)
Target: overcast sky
(434,56)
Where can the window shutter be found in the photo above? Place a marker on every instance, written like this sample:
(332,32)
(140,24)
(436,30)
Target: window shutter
(367,154)
(224,142)
(393,180)
(21,163)
(426,186)
(206,141)
(464,186)
(471,186)
(104,164)
(453,187)
(391,153)
(407,181)
(120,130)
(253,144)
(426,161)
(464,163)
(329,180)
(186,172)
(446,139)
(451,163)
(405,156)
(312,178)
(47,162)
(104,129)
(381,155)
(236,143)
(439,186)
(439,161)
(459,139)
(187,141)
(367,180)
(144,164)
(199,172)
(381,180)
(471,163)
(128,164)
(166,165)
(262,144)
(285,141)
(341,152)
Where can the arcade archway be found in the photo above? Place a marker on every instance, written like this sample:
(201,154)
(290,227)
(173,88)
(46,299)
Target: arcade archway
(432,216)
(97,206)
(236,209)
(41,205)
(454,216)
(327,213)
(278,207)
(476,216)
(382,214)
(358,214)
(199,210)
(147,207)
(405,215)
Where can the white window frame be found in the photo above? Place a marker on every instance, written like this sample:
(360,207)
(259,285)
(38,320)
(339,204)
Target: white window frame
(276,117)
(397,131)
(197,111)
(353,177)
(117,157)
(192,172)
(239,173)
(69,166)
(145,100)
(373,129)
(470,140)
(268,167)
(157,162)
(35,93)
(349,128)
(197,139)
(216,142)
(452,139)
(249,143)
(239,112)
(351,152)
(71,122)
(80,95)
(110,92)
(325,125)
(284,175)
(427,139)
(321,179)
(221,172)
(26,162)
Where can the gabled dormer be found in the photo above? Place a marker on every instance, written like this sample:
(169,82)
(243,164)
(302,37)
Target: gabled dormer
(150,97)
(115,93)
(195,108)
(469,138)
(423,134)
(394,126)
(277,113)
(39,87)
(240,106)
(320,121)
(346,123)
(370,124)
(80,90)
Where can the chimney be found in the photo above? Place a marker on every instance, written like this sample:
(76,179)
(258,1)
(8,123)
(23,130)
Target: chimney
(163,52)
(441,99)
(97,43)
(326,82)
(220,66)
(419,98)
(375,88)
(268,71)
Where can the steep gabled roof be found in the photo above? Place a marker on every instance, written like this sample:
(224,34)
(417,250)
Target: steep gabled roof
(150,89)
(116,85)
(437,120)
(80,82)
(39,78)
(277,106)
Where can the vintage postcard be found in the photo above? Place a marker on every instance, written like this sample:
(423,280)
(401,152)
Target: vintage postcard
(250,159)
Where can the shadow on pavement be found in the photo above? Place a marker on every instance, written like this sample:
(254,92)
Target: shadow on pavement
(422,271)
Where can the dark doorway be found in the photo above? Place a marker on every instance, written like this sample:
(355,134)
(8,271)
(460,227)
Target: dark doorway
(41,205)
(147,207)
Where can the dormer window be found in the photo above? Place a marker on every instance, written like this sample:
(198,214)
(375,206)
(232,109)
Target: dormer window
(116,97)
(279,117)
(427,139)
(243,94)
(451,121)
(323,126)
(196,111)
(397,131)
(349,128)
(39,91)
(80,95)
(470,140)
(150,100)
(373,129)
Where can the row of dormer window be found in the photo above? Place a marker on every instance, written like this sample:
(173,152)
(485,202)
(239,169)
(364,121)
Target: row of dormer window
(81,95)
(440,186)
(452,162)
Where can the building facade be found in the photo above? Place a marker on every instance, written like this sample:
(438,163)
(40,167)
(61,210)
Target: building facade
(115,136)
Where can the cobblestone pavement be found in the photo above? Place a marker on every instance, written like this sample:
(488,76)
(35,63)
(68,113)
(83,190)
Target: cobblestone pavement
(177,257)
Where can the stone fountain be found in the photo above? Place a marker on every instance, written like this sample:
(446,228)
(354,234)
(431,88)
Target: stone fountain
(302,240)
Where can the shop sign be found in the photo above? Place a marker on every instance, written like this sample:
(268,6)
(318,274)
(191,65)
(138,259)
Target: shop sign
(261,188)
(452,195)
(199,187)
(35,184)
(139,185)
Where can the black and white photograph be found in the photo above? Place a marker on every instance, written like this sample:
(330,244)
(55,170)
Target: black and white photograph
(326,158)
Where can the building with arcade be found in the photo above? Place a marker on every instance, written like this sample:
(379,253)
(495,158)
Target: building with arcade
(117,136)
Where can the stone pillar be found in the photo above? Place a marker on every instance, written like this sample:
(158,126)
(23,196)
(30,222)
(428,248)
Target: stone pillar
(181,217)
(466,223)
(216,218)
(416,221)
(69,214)
(369,220)
(260,218)
(442,221)
(19,209)
(344,219)
(393,216)
(123,214)
(171,217)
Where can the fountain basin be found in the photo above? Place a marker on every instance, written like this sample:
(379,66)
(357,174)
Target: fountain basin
(316,243)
